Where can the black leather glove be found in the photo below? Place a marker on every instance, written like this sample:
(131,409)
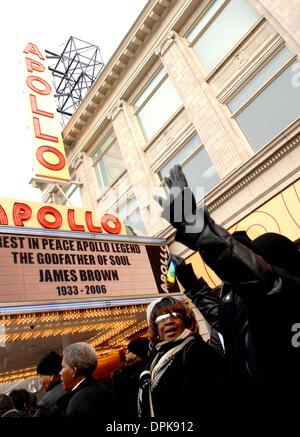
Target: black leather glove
(185,274)
(197,230)
(180,204)
(177,260)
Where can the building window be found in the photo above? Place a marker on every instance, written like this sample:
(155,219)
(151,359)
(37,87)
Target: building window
(219,29)
(108,161)
(269,102)
(131,216)
(197,166)
(69,195)
(156,105)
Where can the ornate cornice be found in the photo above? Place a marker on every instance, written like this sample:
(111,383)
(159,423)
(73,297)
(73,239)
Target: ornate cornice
(240,178)
(77,161)
(255,172)
(118,64)
(116,110)
(164,46)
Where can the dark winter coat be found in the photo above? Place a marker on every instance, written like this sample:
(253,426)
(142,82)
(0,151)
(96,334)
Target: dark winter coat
(46,407)
(228,315)
(89,399)
(125,385)
(260,305)
(191,385)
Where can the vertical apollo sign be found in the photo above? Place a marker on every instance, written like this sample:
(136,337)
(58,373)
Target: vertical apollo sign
(49,153)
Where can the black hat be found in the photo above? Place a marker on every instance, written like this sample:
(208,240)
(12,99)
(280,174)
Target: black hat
(243,238)
(49,364)
(139,347)
(279,251)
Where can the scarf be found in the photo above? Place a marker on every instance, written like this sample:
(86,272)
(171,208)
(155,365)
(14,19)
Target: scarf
(161,362)
(159,365)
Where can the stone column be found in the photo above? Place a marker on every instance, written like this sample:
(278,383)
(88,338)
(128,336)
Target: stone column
(131,142)
(226,149)
(284,16)
(82,165)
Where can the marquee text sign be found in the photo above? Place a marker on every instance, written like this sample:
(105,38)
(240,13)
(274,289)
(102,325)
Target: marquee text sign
(35,269)
(58,217)
(49,152)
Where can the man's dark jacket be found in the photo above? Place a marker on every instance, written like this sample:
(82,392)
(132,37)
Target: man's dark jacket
(89,399)
(46,407)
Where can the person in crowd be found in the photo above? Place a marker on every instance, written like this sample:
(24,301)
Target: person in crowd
(259,308)
(48,369)
(21,401)
(192,287)
(7,408)
(182,366)
(32,403)
(86,397)
(125,379)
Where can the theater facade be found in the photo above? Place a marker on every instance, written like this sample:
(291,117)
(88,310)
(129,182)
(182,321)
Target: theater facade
(211,85)
(59,285)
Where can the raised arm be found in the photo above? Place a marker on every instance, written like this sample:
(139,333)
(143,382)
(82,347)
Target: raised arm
(232,261)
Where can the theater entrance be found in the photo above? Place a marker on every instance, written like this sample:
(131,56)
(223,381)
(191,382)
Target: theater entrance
(59,288)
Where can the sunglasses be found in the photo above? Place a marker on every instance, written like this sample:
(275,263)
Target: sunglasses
(162,317)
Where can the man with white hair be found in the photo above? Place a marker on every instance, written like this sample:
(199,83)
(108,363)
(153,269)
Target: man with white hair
(86,396)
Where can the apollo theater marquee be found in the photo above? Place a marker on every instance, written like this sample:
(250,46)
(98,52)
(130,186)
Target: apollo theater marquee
(67,274)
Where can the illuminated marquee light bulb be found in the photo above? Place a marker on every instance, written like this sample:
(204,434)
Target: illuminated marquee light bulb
(69,315)
(28,373)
